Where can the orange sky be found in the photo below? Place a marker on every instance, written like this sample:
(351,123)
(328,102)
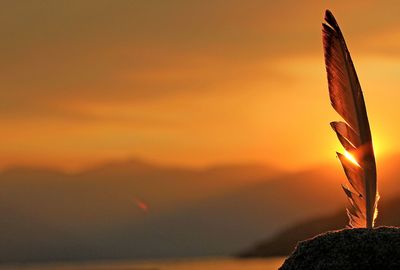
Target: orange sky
(187,82)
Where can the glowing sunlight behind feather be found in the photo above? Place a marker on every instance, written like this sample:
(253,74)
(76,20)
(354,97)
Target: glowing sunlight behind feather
(351,158)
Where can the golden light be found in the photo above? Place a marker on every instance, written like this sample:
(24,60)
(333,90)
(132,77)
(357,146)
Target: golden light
(381,144)
(351,158)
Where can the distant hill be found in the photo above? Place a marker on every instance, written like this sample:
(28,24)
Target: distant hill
(48,215)
(94,215)
(283,243)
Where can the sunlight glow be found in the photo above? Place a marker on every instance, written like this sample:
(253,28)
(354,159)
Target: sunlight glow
(351,158)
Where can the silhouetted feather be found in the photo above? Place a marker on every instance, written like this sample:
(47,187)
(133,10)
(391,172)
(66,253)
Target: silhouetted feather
(354,134)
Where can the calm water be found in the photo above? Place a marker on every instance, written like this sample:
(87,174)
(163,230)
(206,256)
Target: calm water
(205,264)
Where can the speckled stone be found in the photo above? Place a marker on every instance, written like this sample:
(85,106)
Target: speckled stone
(348,249)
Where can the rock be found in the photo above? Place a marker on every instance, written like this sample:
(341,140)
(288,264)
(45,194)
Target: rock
(348,249)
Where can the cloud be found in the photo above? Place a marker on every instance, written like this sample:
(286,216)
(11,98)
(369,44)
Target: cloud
(71,49)
(179,80)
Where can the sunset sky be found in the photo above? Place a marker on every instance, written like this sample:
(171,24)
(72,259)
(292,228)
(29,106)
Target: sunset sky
(188,83)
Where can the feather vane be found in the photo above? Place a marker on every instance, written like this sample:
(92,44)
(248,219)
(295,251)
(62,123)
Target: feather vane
(354,133)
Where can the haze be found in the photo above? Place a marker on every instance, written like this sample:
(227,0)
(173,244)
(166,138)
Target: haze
(188,83)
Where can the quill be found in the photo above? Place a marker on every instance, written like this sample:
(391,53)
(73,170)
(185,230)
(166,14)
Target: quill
(354,133)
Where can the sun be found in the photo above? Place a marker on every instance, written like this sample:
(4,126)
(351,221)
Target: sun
(351,158)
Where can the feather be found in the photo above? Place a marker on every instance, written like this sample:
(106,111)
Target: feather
(354,133)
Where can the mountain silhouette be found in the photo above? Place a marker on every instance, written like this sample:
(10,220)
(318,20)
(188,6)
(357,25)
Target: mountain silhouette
(283,243)
(94,214)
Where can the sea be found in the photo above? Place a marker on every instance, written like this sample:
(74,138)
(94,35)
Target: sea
(193,264)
